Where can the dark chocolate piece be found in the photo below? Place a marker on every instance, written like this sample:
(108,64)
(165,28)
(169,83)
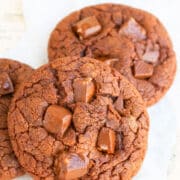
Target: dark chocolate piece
(151,56)
(57,119)
(6,85)
(84,89)
(133,29)
(106,140)
(73,166)
(87,27)
(142,70)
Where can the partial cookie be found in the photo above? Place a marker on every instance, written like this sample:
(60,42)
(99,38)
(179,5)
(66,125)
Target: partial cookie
(131,40)
(78,118)
(12,73)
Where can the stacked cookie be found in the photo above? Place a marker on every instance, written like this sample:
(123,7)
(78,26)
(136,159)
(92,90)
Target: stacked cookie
(83,115)
(12,74)
(131,40)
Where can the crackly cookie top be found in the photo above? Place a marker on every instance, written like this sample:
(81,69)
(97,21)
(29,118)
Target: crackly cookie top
(78,118)
(131,40)
(12,73)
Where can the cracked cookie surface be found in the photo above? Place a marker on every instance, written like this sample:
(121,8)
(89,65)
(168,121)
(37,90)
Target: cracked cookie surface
(12,73)
(77,118)
(135,38)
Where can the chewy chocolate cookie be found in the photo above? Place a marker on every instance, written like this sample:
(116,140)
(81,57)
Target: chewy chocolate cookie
(78,118)
(131,40)
(12,73)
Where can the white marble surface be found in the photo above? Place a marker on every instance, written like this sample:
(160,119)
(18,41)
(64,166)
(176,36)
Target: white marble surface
(163,156)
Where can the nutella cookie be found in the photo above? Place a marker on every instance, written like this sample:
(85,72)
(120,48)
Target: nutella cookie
(77,118)
(12,73)
(131,40)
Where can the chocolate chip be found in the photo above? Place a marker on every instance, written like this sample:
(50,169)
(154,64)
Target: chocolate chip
(142,70)
(57,119)
(133,29)
(111,62)
(151,56)
(84,89)
(6,85)
(73,166)
(119,103)
(106,140)
(87,27)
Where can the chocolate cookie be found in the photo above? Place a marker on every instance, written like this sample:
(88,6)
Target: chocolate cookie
(131,40)
(12,73)
(78,118)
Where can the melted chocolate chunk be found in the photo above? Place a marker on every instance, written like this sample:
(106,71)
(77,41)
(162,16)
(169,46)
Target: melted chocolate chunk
(69,137)
(133,29)
(6,85)
(72,166)
(151,56)
(57,119)
(84,89)
(106,140)
(142,70)
(87,27)
(117,18)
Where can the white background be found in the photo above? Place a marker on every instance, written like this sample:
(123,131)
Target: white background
(161,162)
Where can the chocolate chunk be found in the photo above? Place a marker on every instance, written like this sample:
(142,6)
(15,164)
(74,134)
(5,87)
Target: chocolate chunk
(142,70)
(119,103)
(111,62)
(6,85)
(87,27)
(117,17)
(113,118)
(106,140)
(84,89)
(69,137)
(151,56)
(73,166)
(133,30)
(57,119)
